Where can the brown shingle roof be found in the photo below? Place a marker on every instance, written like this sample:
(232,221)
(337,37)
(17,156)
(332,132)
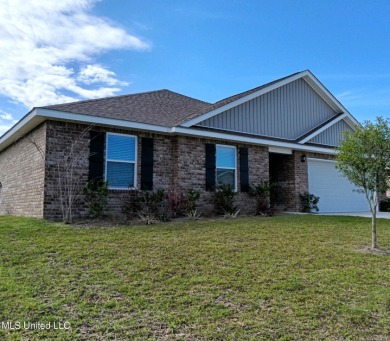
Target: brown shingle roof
(162,107)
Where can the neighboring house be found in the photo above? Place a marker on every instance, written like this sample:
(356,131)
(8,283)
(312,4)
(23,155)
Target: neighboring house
(284,131)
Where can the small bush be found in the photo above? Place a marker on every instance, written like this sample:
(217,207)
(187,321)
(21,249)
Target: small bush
(262,192)
(192,198)
(150,202)
(309,202)
(145,203)
(193,214)
(231,215)
(148,218)
(224,200)
(96,195)
(182,203)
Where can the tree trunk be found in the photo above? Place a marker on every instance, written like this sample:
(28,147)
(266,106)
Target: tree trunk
(374,244)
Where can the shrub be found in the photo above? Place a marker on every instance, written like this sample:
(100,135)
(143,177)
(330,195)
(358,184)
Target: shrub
(224,200)
(149,201)
(192,198)
(145,203)
(231,215)
(309,202)
(182,203)
(193,214)
(262,192)
(148,218)
(96,195)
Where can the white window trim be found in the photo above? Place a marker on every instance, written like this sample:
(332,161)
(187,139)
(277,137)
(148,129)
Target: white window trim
(123,161)
(235,163)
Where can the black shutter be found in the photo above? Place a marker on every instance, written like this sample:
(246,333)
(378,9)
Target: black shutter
(210,167)
(96,155)
(244,176)
(147,164)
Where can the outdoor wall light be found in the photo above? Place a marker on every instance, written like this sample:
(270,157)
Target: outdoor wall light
(303,158)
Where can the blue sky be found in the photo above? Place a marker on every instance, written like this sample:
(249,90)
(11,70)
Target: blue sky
(79,49)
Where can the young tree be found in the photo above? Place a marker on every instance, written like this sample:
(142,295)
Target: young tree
(364,158)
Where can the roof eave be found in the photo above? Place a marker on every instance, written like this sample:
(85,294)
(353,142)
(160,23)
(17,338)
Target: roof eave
(39,115)
(21,128)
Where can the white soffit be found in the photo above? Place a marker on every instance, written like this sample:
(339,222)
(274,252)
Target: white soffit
(280,150)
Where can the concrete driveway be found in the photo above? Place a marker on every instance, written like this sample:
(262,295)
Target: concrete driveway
(384,215)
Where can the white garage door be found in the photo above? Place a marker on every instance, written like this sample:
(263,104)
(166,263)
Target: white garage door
(335,192)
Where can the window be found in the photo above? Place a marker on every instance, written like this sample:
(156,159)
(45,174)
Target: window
(121,165)
(226,165)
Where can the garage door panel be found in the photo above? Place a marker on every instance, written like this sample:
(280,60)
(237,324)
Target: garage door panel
(336,193)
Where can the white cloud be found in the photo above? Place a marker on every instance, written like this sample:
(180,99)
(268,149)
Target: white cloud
(6,121)
(45,42)
(97,74)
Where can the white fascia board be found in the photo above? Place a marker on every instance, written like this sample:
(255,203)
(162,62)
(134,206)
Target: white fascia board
(324,93)
(247,98)
(319,131)
(26,124)
(347,117)
(39,115)
(94,120)
(329,98)
(250,140)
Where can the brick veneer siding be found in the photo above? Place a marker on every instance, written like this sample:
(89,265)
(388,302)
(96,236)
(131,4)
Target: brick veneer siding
(179,162)
(61,136)
(22,175)
(30,185)
(190,171)
(301,177)
(292,179)
(61,139)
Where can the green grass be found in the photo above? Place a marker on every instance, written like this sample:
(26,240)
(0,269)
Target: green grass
(280,278)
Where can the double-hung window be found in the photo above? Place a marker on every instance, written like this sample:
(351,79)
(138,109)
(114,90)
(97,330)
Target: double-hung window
(226,166)
(121,161)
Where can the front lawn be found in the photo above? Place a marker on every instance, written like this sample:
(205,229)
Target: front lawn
(280,278)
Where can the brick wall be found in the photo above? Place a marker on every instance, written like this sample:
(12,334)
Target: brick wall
(179,162)
(29,188)
(291,174)
(67,144)
(190,171)
(301,176)
(60,139)
(22,175)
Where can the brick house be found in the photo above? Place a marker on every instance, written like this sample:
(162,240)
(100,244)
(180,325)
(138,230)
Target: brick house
(285,131)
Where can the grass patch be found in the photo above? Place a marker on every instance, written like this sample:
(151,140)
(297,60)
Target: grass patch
(280,278)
